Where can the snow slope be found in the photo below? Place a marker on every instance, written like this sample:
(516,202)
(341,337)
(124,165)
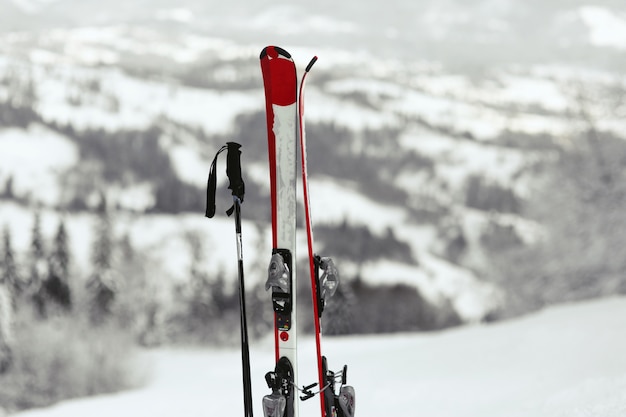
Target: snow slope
(34,159)
(564,361)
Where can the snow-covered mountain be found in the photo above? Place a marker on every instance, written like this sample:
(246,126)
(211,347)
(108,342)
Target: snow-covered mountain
(427,100)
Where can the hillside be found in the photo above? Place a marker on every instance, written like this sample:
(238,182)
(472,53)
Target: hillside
(416,143)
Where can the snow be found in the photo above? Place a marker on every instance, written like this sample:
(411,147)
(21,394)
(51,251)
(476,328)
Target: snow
(353,115)
(437,281)
(565,361)
(124,102)
(502,89)
(189,165)
(334,202)
(35,158)
(371,87)
(165,237)
(531,91)
(471,298)
(458,158)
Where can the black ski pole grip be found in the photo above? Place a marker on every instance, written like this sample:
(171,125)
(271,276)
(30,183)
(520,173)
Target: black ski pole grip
(233,172)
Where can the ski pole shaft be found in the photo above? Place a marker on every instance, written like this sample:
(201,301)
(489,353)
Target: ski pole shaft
(245,350)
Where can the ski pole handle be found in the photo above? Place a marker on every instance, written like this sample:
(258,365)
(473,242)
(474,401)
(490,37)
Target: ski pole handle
(233,170)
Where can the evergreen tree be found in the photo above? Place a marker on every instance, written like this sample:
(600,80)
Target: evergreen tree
(37,268)
(57,283)
(207,298)
(6,321)
(8,188)
(137,307)
(102,284)
(9,275)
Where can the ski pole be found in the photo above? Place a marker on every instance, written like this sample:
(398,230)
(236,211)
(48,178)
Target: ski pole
(237,186)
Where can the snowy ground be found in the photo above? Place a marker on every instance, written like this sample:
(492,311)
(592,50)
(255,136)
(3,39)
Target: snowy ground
(565,361)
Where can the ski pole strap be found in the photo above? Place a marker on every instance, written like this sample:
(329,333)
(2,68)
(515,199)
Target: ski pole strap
(211,185)
(233,172)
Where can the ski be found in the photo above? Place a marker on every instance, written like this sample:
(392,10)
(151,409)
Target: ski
(332,403)
(280,84)
(284,113)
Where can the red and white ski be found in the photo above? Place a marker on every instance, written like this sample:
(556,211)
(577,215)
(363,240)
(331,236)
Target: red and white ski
(284,113)
(280,83)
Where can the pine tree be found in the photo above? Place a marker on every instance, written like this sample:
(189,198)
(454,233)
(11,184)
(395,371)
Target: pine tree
(8,189)
(6,320)
(102,284)
(137,307)
(57,283)
(8,274)
(206,298)
(8,288)
(37,268)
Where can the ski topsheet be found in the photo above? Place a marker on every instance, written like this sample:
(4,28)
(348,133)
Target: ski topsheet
(280,83)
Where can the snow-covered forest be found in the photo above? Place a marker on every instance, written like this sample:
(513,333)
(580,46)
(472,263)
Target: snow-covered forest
(466,162)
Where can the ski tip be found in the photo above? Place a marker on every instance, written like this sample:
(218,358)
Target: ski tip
(274,52)
(311,63)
